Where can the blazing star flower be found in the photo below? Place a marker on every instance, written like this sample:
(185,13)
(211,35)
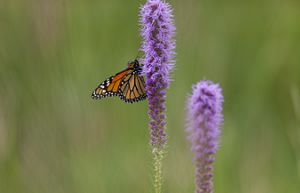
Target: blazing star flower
(204,120)
(158,45)
(157,32)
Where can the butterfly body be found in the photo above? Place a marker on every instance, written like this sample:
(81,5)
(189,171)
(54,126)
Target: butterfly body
(128,85)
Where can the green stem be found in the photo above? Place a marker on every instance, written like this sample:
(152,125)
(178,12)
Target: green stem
(158,157)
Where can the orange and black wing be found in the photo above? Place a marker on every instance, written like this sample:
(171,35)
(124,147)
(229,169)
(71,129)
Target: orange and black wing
(128,84)
(132,88)
(110,87)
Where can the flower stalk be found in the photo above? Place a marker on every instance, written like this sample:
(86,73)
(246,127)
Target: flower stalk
(204,120)
(157,31)
(158,155)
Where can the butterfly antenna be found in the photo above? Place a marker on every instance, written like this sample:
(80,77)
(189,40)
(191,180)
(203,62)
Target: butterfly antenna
(139,55)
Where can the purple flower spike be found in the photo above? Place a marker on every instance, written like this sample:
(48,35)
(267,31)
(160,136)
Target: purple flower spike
(158,45)
(204,120)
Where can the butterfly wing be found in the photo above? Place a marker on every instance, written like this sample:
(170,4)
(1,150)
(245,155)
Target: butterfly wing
(132,88)
(128,84)
(110,87)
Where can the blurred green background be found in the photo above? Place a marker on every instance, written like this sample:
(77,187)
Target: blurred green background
(55,138)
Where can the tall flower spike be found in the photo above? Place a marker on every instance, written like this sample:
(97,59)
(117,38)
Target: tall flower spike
(204,120)
(158,45)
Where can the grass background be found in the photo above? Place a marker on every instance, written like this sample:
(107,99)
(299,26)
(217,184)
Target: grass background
(54,138)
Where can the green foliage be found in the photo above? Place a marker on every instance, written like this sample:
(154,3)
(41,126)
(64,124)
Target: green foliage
(55,138)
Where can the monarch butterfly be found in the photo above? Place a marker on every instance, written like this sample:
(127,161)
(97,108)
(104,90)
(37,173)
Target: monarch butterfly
(128,85)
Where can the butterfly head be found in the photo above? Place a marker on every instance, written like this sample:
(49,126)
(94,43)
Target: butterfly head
(134,64)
